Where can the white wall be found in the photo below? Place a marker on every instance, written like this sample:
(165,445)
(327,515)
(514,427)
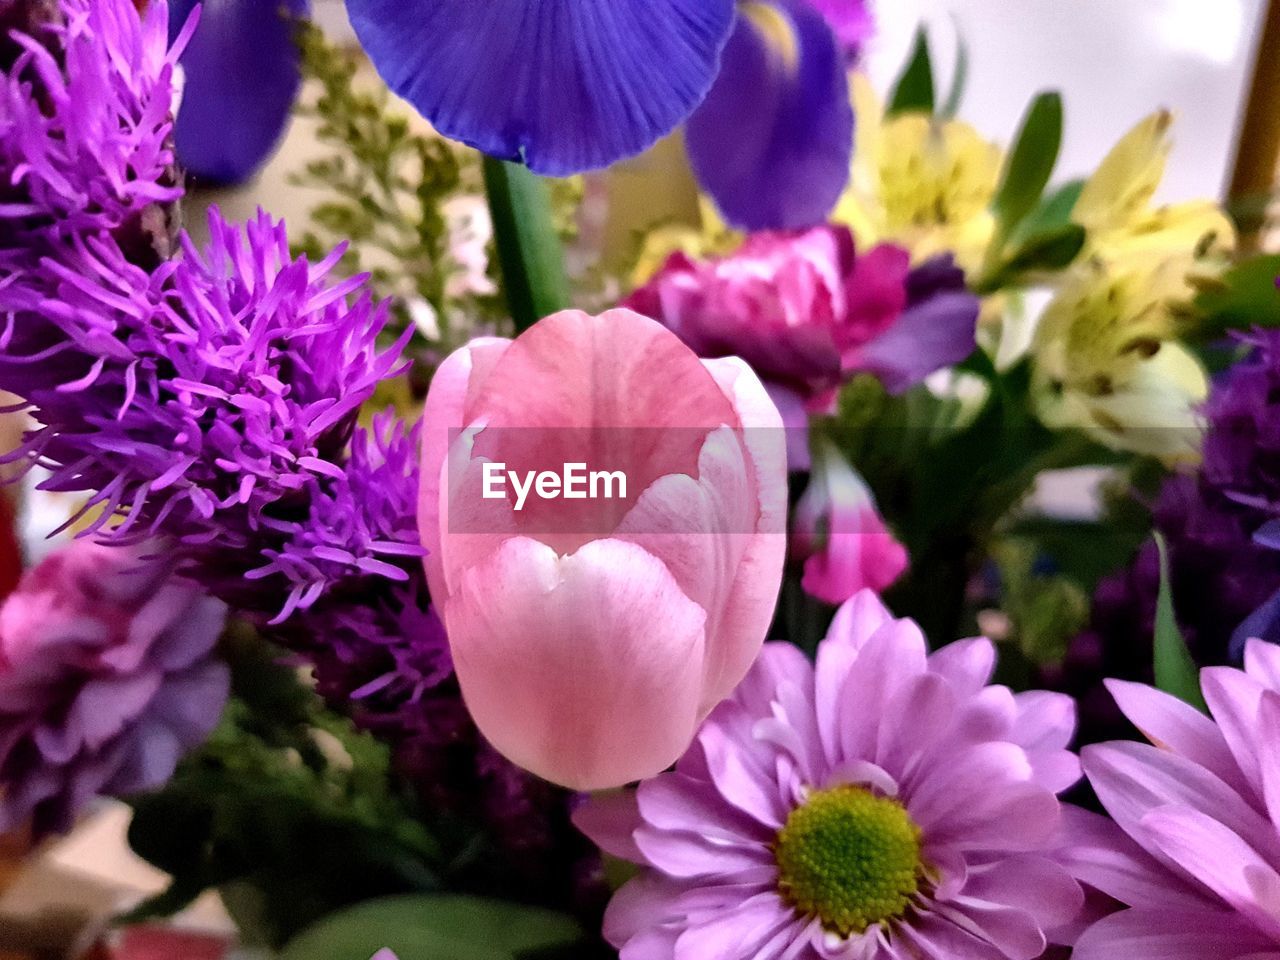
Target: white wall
(1114,61)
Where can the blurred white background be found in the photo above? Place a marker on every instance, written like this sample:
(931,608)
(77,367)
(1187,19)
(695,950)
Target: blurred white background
(1114,61)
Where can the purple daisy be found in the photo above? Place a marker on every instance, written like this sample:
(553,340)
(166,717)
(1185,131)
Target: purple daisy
(86,127)
(107,677)
(213,400)
(1193,853)
(883,804)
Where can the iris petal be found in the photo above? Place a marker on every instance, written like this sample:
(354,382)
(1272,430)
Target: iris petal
(565,85)
(772,142)
(242,77)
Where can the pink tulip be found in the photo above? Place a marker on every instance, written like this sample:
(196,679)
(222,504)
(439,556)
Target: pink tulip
(592,636)
(840,535)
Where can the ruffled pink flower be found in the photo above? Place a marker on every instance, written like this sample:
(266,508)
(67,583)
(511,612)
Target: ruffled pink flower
(839,534)
(107,677)
(808,313)
(881,804)
(1194,850)
(591,636)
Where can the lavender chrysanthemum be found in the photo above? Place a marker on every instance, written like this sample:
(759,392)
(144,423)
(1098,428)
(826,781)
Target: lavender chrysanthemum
(883,804)
(213,400)
(86,128)
(107,677)
(1193,854)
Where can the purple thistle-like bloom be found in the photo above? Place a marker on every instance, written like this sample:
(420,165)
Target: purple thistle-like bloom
(107,677)
(213,400)
(883,804)
(85,129)
(1193,853)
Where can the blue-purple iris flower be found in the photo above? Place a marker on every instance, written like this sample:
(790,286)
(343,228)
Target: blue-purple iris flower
(242,74)
(577,84)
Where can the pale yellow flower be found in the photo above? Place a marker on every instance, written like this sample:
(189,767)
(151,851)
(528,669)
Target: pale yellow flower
(919,181)
(1107,360)
(709,238)
(1117,206)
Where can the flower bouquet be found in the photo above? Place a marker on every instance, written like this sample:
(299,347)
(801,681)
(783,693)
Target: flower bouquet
(443,587)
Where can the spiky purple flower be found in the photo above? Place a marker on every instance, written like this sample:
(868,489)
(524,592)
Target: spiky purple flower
(86,90)
(213,400)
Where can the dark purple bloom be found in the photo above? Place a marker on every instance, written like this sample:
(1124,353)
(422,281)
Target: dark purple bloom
(213,400)
(107,678)
(565,87)
(85,129)
(853,23)
(772,142)
(1223,574)
(242,73)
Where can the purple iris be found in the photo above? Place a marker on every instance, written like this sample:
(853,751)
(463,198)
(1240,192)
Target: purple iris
(573,86)
(242,76)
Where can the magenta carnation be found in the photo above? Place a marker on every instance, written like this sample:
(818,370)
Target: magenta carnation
(807,312)
(86,91)
(213,400)
(107,677)
(1193,853)
(883,804)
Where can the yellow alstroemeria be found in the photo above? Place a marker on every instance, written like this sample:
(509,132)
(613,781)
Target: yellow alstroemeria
(711,237)
(1117,208)
(1107,360)
(921,182)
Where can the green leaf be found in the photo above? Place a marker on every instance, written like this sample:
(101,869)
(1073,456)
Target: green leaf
(1052,213)
(1051,250)
(1243,297)
(1031,162)
(529,247)
(434,928)
(959,80)
(914,90)
(1176,672)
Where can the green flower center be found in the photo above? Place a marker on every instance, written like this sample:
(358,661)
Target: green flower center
(850,858)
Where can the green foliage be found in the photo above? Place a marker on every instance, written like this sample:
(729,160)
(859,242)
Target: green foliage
(284,797)
(1176,671)
(959,81)
(529,248)
(1243,297)
(1030,163)
(1046,610)
(387,185)
(946,471)
(914,89)
(435,928)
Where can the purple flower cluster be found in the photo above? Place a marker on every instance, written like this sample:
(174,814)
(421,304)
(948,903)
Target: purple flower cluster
(85,129)
(107,677)
(213,399)
(1220,573)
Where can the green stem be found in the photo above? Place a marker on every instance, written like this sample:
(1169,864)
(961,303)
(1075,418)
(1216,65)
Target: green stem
(529,249)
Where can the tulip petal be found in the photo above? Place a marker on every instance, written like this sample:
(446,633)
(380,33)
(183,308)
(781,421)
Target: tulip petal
(565,87)
(242,77)
(463,372)
(583,669)
(773,140)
